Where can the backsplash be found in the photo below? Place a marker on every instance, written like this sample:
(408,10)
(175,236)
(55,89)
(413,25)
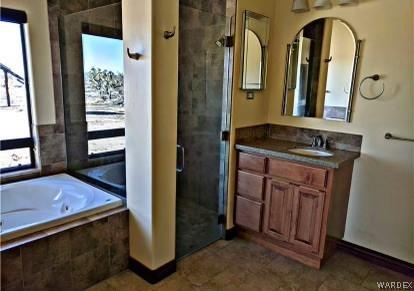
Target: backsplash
(52,148)
(337,140)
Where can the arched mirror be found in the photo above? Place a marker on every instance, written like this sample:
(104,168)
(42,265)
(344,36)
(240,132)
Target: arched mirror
(253,62)
(320,73)
(254,57)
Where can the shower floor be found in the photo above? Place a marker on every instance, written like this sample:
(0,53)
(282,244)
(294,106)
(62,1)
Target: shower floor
(197,227)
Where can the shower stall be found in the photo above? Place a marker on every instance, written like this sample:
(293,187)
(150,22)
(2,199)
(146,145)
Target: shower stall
(90,42)
(205,62)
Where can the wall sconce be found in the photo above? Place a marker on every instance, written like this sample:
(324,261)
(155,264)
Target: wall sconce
(322,4)
(348,2)
(300,6)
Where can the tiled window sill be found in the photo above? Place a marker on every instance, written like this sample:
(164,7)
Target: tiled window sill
(19,175)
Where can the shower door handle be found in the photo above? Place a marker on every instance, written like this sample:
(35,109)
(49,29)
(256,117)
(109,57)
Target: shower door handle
(181,149)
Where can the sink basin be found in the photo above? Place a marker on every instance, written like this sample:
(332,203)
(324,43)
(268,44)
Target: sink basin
(311,152)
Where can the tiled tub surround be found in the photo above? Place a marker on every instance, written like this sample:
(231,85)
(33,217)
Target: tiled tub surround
(70,257)
(67,62)
(52,148)
(103,20)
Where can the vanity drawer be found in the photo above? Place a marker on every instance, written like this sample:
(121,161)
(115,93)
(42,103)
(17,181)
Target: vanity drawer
(298,173)
(252,162)
(250,185)
(248,213)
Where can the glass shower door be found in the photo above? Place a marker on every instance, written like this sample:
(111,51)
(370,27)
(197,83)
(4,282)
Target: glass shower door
(201,117)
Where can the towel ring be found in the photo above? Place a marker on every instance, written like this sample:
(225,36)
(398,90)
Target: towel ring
(375,78)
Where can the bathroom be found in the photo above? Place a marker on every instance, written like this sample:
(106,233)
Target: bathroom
(165,144)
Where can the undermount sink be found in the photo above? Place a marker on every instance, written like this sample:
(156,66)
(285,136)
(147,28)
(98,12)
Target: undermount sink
(311,152)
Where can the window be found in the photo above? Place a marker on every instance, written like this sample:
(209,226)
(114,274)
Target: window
(16,135)
(104,93)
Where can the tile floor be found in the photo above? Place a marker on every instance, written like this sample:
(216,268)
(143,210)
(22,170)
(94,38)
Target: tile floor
(243,266)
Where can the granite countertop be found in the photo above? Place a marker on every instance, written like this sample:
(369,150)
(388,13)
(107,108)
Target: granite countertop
(280,149)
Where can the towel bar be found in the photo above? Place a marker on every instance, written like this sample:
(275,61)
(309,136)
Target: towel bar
(390,136)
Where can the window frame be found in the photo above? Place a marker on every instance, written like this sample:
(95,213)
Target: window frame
(20,18)
(114,33)
(102,134)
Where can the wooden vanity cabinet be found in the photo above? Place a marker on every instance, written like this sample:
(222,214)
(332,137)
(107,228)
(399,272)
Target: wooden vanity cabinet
(285,205)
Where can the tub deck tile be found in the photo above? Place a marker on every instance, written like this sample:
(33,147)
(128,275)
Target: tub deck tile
(55,277)
(89,237)
(68,258)
(118,256)
(90,268)
(11,270)
(13,243)
(42,254)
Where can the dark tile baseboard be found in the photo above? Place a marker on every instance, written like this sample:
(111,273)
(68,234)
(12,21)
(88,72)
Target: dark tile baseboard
(230,233)
(152,276)
(377,258)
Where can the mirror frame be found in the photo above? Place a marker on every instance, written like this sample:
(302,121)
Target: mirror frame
(357,55)
(250,14)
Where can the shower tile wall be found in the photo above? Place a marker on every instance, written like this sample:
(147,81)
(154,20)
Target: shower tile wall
(201,64)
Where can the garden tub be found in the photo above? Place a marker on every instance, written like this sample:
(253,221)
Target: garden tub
(41,203)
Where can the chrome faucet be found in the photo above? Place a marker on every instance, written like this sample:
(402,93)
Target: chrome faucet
(317,141)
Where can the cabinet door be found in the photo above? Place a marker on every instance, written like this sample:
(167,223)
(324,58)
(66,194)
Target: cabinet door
(278,209)
(307,218)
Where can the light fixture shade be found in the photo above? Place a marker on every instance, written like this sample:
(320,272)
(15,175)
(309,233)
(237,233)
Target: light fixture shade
(322,4)
(348,2)
(300,6)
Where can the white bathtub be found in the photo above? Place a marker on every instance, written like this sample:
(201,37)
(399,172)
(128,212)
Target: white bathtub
(111,174)
(37,204)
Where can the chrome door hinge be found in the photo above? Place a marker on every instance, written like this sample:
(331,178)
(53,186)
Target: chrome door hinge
(225,41)
(225,135)
(222,219)
(229,41)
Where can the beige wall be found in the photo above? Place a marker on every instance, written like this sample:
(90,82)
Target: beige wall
(151,85)
(41,77)
(245,112)
(165,108)
(381,208)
